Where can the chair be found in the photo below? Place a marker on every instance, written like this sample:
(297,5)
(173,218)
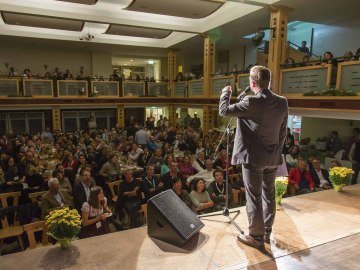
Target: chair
(8,231)
(143,210)
(30,230)
(238,196)
(112,190)
(36,196)
(291,190)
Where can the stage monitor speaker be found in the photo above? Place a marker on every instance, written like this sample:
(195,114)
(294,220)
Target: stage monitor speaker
(170,219)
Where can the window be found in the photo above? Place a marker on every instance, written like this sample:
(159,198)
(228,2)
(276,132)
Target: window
(105,119)
(29,122)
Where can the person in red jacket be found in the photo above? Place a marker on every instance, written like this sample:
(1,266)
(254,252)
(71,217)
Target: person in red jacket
(301,178)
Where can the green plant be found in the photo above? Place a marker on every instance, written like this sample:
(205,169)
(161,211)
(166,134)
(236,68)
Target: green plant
(340,175)
(63,223)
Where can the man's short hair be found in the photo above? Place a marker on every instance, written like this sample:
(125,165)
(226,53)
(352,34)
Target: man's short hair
(217,171)
(261,76)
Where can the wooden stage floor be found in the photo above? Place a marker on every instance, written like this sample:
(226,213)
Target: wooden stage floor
(313,231)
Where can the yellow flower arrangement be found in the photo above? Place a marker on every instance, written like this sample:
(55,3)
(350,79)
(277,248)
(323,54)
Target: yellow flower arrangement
(281,183)
(340,176)
(64,224)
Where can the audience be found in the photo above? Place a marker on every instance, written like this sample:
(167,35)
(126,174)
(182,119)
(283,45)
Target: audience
(180,192)
(130,197)
(200,198)
(217,191)
(301,178)
(150,183)
(94,213)
(320,176)
(54,198)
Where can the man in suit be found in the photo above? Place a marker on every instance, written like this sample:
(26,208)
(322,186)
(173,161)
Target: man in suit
(320,176)
(81,190)
(54,198)
(259,139)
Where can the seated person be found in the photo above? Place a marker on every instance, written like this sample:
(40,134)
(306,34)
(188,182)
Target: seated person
(165,168)
(200,198)
(206,175)
(335,163)
(168,178)
(130,197)
(292,157)
(182,194)
(301,178)
(135,153)
(111,169)
(320,176)
(150,184)
(94,213)
(334,144)
(33,178)
(157,160)
(54,198)
(185,167)
(220,163)
(199,163)
(63,181)
(217,191)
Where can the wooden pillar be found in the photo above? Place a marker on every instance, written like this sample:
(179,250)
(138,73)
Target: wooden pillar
(172,70)
(172,115)
(56,118)
(209,63)
(277,46)
(208,119)
(120,115)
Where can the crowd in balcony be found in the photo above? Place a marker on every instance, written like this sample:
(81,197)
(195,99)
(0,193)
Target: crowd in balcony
(57,74)
(327,58)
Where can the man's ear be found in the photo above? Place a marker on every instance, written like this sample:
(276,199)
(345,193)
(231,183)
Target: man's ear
(252,84)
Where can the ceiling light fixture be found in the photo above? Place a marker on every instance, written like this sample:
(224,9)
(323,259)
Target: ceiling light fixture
(151,62)
(131,60)
(87,37)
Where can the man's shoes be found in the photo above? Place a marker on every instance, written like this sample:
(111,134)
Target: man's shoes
(250,241)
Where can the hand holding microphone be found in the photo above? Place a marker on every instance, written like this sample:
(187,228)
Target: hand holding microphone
(227,89)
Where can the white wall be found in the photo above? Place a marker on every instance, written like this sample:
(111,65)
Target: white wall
(101,63)
(337,39)
(314,128)
(35,57)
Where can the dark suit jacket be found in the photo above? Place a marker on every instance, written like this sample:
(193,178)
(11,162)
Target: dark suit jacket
(79,195)
(316,179)
(261,127)
(49,203)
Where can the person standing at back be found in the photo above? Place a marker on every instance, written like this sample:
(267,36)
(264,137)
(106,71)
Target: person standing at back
(259,139)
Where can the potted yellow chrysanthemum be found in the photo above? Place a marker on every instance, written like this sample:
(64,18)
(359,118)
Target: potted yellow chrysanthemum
(281,183)
(340,177)
(64,225)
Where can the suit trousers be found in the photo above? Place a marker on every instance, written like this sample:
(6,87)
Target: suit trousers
(260,199)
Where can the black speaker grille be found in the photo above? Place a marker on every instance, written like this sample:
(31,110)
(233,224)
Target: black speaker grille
(172,208)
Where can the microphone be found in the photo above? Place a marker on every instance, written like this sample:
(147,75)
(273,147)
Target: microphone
(244,93)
